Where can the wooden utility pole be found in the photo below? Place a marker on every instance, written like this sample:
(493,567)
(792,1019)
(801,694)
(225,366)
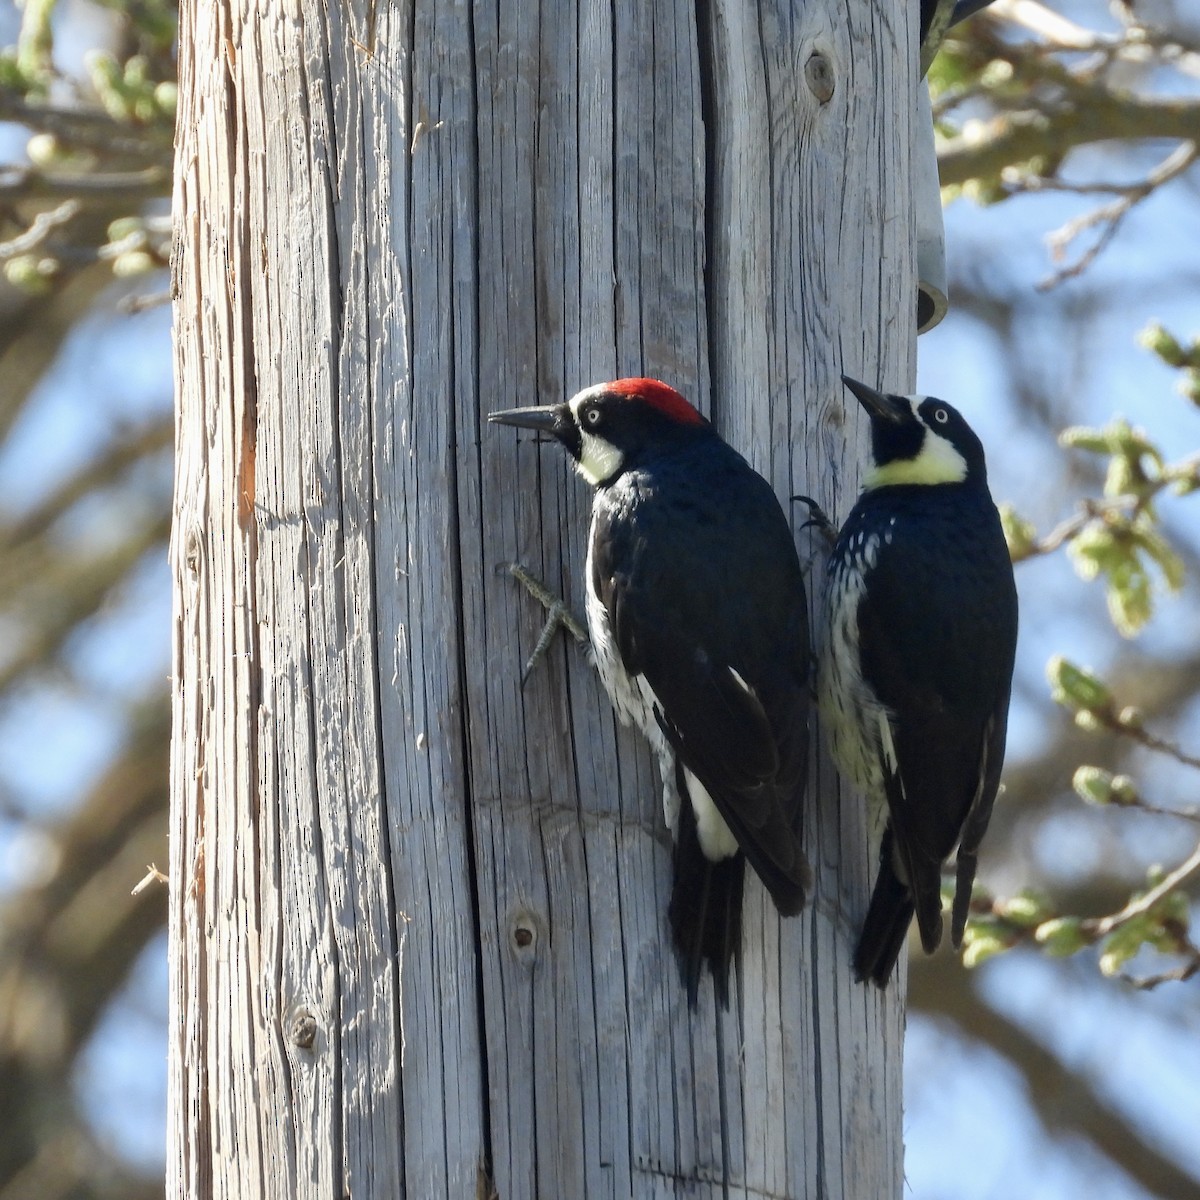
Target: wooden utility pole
(418,922)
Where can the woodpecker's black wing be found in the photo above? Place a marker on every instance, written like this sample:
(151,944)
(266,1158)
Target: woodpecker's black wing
(717,625)
(937,626)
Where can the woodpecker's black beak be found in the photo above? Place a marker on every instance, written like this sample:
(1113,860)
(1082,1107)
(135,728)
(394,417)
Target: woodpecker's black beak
(548,420)
(544,418)
(879,404)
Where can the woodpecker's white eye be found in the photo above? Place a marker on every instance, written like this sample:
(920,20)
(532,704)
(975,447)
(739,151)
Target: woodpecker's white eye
(941,416)
(591,416)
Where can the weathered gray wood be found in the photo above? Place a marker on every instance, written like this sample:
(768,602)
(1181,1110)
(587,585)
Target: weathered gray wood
(418,913)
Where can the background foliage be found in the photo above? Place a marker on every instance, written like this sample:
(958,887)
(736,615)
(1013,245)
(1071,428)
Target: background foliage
(1067,142)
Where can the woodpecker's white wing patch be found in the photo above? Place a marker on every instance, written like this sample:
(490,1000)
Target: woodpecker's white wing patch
(716,838)
(741,682)
(888,747)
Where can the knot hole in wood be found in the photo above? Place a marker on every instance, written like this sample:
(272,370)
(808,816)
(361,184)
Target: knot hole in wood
(193,553)
(302,1028)
(524,930)
(818,74)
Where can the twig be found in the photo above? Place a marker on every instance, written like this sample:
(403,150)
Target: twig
(1018,137)
(1090,510)
(40,229)
(91,128)
(1063,34)
(1184,814)
(24,184)
(1181,974)
(153,875)
(1098,927)
(1112,215)
(1061,533)
(1130,506)
(132,305)
(1112,722)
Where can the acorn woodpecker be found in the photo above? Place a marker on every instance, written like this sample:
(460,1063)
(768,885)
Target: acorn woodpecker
(916,665)
(699,630)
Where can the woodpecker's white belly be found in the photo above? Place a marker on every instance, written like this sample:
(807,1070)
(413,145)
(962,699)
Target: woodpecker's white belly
(857,726)
(635,702)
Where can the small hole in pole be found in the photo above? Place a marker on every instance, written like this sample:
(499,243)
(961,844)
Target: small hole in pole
(818,73)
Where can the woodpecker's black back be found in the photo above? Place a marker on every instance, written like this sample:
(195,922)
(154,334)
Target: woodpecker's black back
(693,562)
(917,671)
(699,631)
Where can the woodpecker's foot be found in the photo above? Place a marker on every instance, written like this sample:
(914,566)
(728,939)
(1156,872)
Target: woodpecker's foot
(558,615)
(817,519)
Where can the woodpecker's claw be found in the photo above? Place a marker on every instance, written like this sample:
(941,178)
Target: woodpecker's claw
(558,615)
(817,518)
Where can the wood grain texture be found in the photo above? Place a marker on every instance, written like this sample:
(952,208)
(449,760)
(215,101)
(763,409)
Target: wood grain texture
(418,913)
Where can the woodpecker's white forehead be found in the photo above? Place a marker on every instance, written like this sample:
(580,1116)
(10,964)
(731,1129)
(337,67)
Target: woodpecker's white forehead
(581,398)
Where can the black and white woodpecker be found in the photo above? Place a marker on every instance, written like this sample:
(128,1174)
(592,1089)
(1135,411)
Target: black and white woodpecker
(699,630)
(916,665)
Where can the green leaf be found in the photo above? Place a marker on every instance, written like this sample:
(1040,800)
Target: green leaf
(1093,549)
(1151,540)
(1123,943)
(1158,341)
(136,262)
(1027,909)
(32,273)
(1061,936)
(1176,907)
(1019,533)
(1073,687)
(983,941)
(1130,597)
(1093,785)
(1080,437)
(1124,791)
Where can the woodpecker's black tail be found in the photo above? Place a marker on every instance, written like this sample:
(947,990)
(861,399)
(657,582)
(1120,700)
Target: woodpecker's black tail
(706,907)
(888,918)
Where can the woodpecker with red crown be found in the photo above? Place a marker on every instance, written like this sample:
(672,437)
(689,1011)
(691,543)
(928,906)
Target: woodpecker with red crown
(916,663)
(699,630)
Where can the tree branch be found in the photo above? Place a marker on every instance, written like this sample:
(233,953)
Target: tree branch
(1128,505)
(1010,139)
(1066,1103)
(103,471)
(42,227)
(1099,927)
(1063,34)
(90,129)
(69,941)
(132,187)
(1110,216)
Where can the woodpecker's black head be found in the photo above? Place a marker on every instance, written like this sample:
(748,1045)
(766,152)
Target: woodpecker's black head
(918,439)
(611,427)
